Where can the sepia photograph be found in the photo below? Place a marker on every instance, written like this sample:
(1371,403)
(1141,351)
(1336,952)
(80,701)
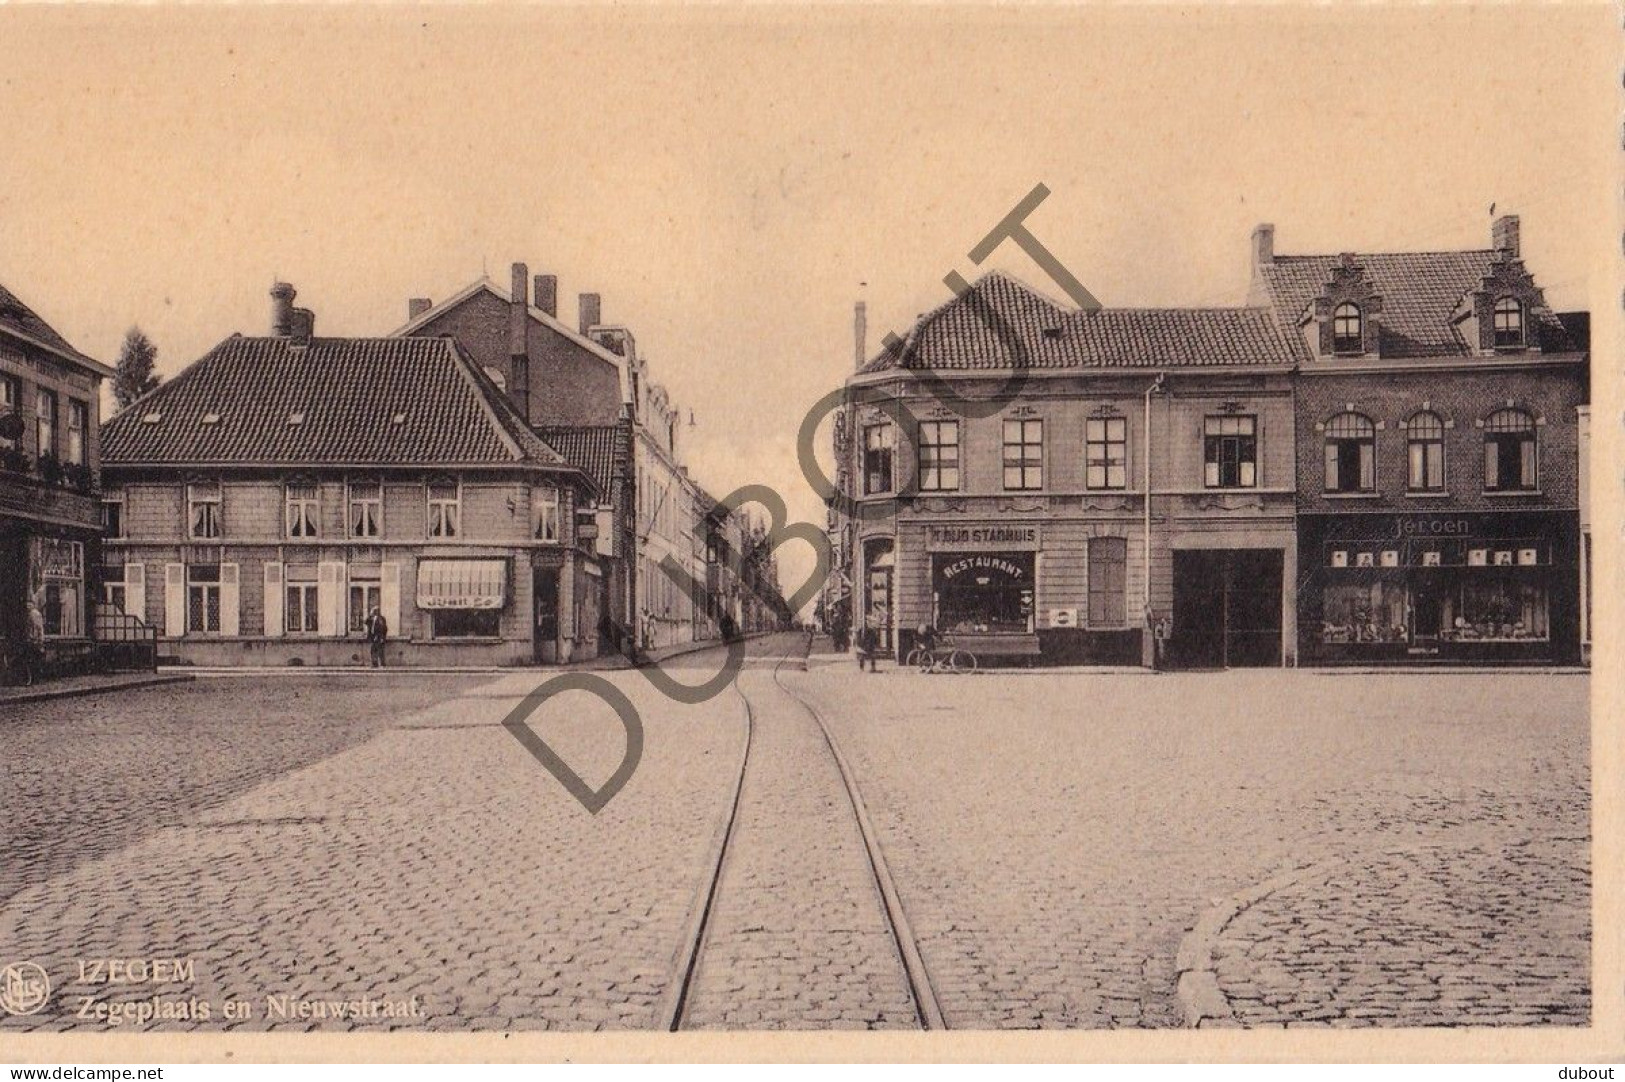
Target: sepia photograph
(804,525)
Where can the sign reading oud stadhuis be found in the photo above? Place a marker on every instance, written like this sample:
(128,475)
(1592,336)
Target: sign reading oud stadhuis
(978,538)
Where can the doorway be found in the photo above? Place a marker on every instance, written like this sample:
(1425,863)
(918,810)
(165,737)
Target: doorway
(546,642)
(878,608)
(1227,608)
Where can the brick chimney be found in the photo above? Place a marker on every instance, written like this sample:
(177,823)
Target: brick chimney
(282,295)
(303,328)
(860,334)
(591,312)
(1504,235)
(416,306)
(1263,244)
(519,340)
(547,294)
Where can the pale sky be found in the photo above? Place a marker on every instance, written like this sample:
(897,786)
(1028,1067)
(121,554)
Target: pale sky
(728,177)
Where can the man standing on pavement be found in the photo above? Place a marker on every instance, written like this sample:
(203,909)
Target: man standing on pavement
(868,644)
(377,635)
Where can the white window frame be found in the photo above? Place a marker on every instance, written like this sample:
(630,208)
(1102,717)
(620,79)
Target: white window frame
(45,406)
(78,438)
(198,497)
(1024,467)
(934,472)
(1097,433)
(203,607)
(375,503)
(441,512)
(545,505)
(308,608)
(302,510)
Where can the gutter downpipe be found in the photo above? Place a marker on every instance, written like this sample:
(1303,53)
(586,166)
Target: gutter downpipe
(1150,629)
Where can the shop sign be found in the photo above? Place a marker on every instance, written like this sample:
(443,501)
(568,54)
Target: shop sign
(1063,618)
(1009,569)
(956,538)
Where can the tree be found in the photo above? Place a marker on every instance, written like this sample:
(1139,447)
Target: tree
(135,362)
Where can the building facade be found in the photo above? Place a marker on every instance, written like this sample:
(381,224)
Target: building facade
(589,392)
(1438,408)
(1110,470)
(271,495)
(50,524)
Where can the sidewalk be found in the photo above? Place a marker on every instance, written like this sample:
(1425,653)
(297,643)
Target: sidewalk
(71,686)
(607,663)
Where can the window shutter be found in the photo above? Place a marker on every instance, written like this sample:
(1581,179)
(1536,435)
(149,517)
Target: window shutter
(274,619)
(389,596)
(329,599)
(135,591)
(230,601)
(174,600)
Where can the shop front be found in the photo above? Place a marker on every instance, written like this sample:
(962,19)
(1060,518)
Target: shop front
(1448,587)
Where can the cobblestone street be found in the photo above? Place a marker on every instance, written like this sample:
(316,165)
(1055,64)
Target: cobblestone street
(1071,850)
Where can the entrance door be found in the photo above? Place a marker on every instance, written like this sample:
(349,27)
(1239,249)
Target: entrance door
(1227,608)
(880,607)
(546,643)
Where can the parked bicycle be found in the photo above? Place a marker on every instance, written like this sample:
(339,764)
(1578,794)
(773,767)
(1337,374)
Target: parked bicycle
(944,657)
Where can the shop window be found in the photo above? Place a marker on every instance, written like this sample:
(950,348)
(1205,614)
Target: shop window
(203,598)
(1498,607)
(1508,323)
(445,509)
(1509,451)
(60,568)
(1023,455)
(203,510)
(1373,612)
(879,445)
(545,512)
(1105,448)
(467,624)
(1230,447)
(1108,581)
(366,511)
(365,595)
(301,607)
(45,419)
(1424,443)
(302,510)
(1348,330)
(939,456)
(1351,453)
(78,422)
(988,593)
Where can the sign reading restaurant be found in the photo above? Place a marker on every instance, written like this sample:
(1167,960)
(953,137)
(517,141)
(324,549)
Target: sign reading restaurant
(979,538)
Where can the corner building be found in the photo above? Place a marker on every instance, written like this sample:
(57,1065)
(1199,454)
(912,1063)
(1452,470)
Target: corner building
(1438,427)
(1142,471)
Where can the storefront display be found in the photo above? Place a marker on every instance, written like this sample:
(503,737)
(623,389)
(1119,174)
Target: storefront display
(1466,587)
(983,593)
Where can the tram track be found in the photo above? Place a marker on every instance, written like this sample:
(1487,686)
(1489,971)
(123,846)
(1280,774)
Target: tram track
(676,1014)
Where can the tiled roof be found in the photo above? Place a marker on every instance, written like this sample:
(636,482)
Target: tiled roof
(22,321)
(1002,323)
(346,393)
(600,451)
(1420,291)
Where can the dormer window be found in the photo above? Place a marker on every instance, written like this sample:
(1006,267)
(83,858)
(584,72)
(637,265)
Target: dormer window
(1348,329)
(1508,323)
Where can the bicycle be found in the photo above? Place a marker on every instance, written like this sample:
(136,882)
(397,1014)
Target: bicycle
(946,658)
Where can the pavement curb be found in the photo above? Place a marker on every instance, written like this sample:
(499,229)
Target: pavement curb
(1201,999)
(46,694)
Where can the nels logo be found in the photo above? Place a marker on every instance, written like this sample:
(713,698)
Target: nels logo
(24,988)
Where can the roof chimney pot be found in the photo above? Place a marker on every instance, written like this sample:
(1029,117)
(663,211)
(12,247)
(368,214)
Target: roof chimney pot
(547,294)
(282,295)
(416,306)
(591,312)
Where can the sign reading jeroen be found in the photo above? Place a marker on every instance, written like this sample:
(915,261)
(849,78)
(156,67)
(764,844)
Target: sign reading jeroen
(973,538)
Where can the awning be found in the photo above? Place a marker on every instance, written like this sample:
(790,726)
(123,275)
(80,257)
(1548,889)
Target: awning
(462,584)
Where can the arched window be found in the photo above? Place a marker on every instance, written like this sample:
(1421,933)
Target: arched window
(1351,453)
(1509,451)
(1424,439)
(1508,323)
(1348,332)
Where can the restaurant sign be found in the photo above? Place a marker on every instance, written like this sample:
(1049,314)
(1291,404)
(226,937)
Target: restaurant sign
(981,538)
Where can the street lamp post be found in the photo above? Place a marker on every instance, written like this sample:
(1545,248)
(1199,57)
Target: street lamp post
(1145,577)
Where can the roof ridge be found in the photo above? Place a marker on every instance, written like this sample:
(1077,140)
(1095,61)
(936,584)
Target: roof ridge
(1357,254)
